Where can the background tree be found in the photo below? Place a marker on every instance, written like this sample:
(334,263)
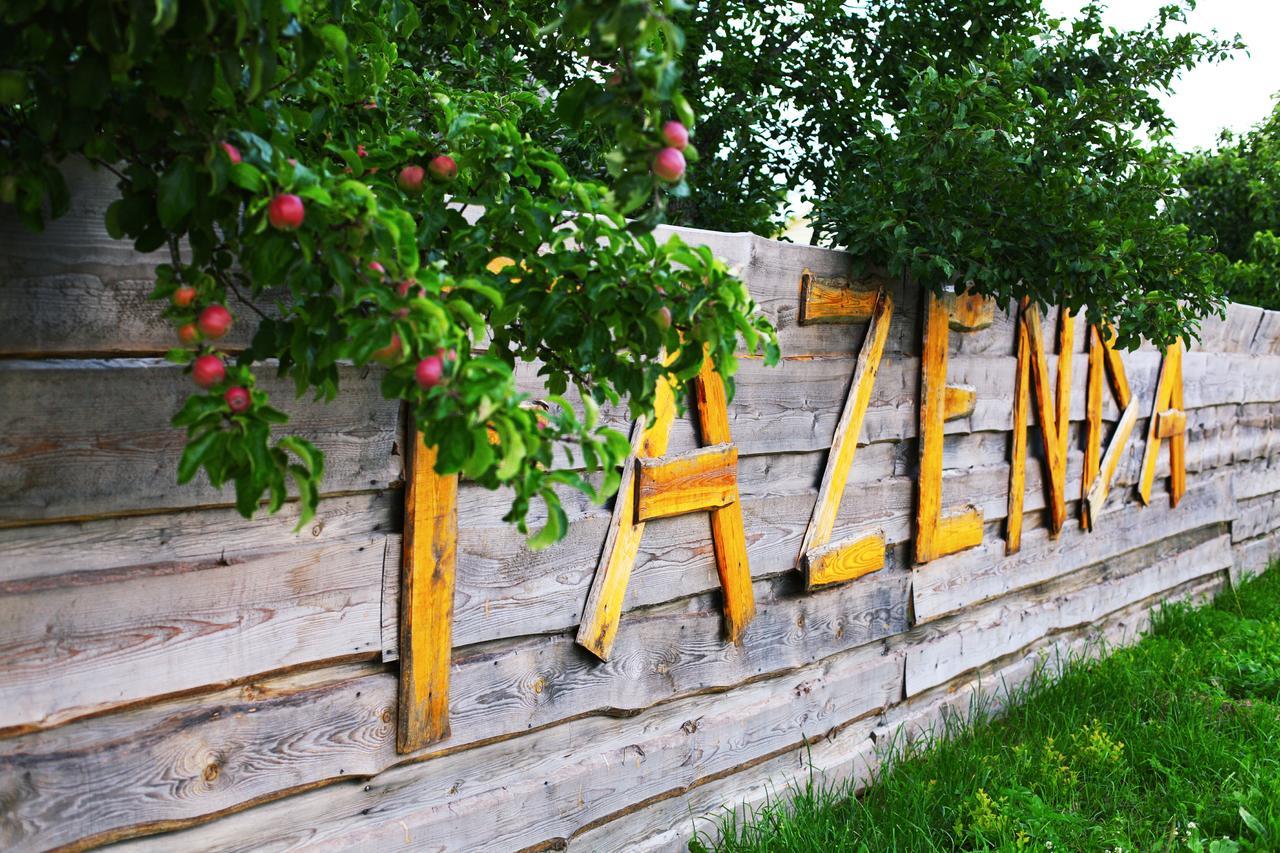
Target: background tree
(1232,195)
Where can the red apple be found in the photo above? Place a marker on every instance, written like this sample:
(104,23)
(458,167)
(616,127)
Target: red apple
(669,165)
(429,372)
(286,212)
(188,334)
(214,322)
(410,288)
(443,167)
(233,153)
(374,266)
(676,135)
(391,352)
(360,152)
(184,296)
(663,317)
(411,179)
(237,399)
(208,371)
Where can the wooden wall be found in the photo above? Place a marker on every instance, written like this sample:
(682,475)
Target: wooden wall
(175,677)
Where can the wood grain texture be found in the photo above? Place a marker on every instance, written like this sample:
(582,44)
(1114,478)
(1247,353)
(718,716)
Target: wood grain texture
(546,786)
(426,601)
(845,560)
(1170,375)
(827,300)
(1097,497)
(1171,422)
(92,438)
(1175,429)
(1062,408)
(605,601)
(696,481)
(835,474)
(177,760)
(961,581)
(1002,628)
(76,646)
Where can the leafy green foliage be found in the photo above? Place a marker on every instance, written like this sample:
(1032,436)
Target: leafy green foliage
(1028,158)
(1232,195)
(209,111)
(1167,745)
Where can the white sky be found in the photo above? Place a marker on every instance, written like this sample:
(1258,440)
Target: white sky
(1235,94)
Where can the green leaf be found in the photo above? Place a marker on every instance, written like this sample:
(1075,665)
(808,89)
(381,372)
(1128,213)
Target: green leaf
(176,196)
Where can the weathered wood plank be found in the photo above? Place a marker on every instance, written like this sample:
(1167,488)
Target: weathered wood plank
(203,754)
(193,536)
(1003,628)
(853,754)
(76,646)
(1096,499)
(426,601)
(962,581)
(696,481)
(88,438)
(1095,380)
(546,785)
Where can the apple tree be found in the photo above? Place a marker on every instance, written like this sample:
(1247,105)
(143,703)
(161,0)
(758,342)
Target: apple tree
(355,181)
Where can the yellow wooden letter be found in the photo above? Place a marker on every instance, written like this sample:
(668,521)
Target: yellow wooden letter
(849,559)
(690,490)
(1099,473)
(1168,420)
(937,536)
(1051,411)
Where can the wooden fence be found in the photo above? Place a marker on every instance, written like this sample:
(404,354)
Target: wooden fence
(175,677)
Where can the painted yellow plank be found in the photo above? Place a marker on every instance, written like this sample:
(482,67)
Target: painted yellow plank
(1018,442)
(837,300)
(1171,422)
(1093,421)
(970,312)
(1062,413)
(959,401)
(697,481)
(728,535)
(844,560)
(603,609)
(1045,409)
(936,537)
(1115,370)
(426,601)
(1169,372)
(1178,439)
(1101,487)
(845,444)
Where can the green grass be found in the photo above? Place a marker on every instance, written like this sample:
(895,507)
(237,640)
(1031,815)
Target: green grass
(1171,744)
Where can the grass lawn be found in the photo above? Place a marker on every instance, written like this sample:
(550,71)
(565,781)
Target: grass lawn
(1172,744)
